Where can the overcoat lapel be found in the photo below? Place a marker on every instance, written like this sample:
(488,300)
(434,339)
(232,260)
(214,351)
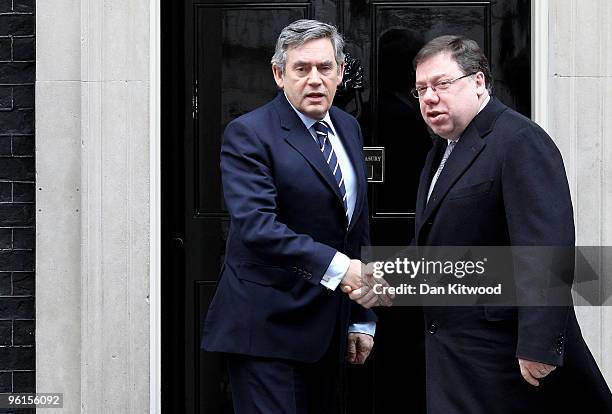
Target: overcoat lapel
(466,150)
(433,158)
(470,145)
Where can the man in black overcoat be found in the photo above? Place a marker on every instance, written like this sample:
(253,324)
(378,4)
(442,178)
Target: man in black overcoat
(494,177)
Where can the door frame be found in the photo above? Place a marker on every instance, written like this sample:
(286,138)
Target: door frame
(539,100)
(155,333)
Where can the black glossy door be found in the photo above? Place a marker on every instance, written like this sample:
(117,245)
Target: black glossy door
(215,67)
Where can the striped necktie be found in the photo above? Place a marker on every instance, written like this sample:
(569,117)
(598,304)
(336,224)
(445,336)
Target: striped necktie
(322,130)
(447,153)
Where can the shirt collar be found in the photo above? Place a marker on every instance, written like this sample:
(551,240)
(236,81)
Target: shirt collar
(486,101)
(308,121)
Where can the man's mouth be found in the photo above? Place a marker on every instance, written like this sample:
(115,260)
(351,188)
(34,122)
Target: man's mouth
(315,96)
(435,115)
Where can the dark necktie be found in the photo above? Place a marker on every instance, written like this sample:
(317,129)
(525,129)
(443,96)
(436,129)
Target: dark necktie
(322,130)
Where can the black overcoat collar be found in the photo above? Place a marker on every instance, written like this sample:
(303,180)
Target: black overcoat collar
(469,146)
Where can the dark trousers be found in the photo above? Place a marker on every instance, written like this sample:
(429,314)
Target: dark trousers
(275,386)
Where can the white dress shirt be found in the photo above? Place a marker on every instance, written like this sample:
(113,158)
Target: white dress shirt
(340,262)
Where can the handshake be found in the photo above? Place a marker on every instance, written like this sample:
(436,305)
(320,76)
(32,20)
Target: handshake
(358,282)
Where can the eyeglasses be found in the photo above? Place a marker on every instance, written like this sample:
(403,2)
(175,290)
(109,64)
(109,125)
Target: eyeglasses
(441,86)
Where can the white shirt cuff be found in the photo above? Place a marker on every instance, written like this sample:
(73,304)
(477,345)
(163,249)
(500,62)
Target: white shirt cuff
(365,328)
(335,271)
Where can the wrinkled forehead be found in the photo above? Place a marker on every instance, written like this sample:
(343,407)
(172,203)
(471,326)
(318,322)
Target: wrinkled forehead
(437,66)
(318,45)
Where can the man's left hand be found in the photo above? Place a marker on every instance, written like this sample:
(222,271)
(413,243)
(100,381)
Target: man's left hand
(533,371)
(359,347)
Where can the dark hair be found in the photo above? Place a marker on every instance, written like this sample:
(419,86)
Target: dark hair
(464,51)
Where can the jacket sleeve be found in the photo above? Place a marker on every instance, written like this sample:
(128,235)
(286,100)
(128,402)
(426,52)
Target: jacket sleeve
(250,196)
(539,213)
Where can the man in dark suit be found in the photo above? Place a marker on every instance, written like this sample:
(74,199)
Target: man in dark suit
(295,187)
(494,177)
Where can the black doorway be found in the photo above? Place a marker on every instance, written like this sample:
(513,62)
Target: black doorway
(215,67)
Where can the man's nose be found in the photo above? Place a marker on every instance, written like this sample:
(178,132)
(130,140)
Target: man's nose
(429,96)
(314,76)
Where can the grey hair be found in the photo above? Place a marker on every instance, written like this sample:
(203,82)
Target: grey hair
(464,51)
(302,31)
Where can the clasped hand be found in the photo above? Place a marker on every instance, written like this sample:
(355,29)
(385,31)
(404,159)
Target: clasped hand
(359,282)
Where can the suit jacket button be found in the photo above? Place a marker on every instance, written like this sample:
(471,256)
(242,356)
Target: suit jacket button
(432,328)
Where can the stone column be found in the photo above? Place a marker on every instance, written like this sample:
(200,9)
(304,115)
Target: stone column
(93,229)
(580,104)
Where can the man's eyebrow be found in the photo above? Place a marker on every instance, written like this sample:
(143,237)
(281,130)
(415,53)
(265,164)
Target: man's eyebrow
(434,79)
(304,63)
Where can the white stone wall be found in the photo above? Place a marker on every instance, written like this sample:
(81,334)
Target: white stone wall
(92,164)
(58,199)
(580,121)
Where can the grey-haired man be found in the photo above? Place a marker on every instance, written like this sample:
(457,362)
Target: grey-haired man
(295,187)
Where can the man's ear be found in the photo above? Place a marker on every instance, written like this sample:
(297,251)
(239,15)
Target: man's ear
(481,84)
(340,73)
(278,76)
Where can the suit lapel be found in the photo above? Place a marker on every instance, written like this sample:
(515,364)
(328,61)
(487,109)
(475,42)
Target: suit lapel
(300,139)
(355,153)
